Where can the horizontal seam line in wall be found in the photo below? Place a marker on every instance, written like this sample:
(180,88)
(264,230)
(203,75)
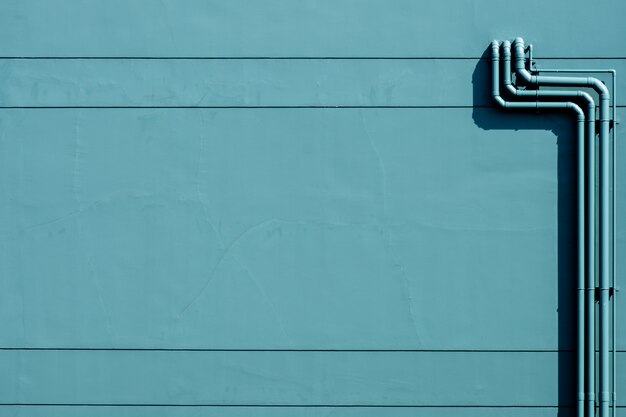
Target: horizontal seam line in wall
(280,58)
(240,107)
(282,405)
(258,107)
(106,349)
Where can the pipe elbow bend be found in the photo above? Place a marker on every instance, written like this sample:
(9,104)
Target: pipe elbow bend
(585,96)
(512,90)
(576,109)
(523,73)
(499,100)
(599,87)
(591,104)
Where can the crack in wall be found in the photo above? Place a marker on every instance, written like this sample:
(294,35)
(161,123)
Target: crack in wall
(387,233)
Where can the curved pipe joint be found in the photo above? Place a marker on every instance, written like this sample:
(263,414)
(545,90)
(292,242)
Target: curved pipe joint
(528,78)
(536,94)
(495,91)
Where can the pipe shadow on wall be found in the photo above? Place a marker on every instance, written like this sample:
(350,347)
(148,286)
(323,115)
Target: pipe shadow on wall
(487,116)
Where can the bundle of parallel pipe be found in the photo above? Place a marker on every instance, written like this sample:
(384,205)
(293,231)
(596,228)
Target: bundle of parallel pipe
(572,100)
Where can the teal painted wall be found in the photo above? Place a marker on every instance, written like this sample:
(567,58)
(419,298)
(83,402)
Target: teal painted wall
(289,208)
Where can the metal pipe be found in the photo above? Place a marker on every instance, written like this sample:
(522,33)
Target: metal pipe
(613,213)
(566,105)
(585,240)
(614,242)
(613,196)
(613,202)
(524,105)
(604,197)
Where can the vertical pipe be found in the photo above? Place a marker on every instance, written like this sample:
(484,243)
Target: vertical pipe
(580,287)
(604,197)
(605,249)
(613,238)
(581,182)
(613,223)
(582,207)
(589,285)
(591,273)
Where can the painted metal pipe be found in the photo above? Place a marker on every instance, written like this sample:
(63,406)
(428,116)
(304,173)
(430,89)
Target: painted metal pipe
(495,45)
(585,203)
(604,197)
(614,243)
(565,105)
(613,211)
